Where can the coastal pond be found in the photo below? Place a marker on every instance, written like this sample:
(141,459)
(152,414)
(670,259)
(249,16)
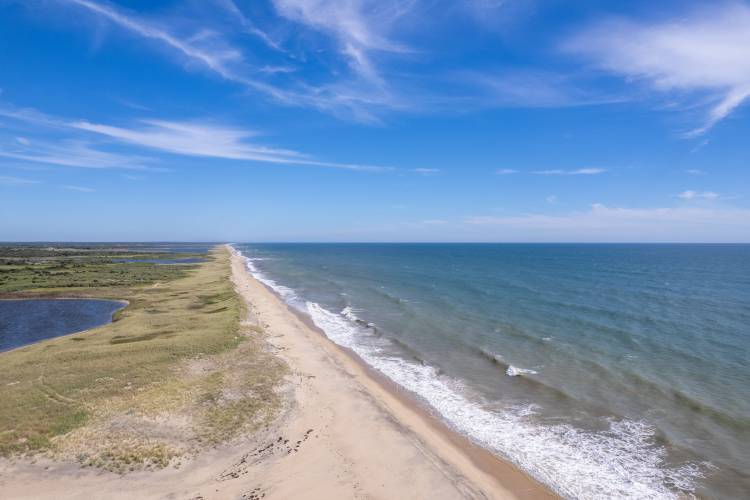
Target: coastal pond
(24,322)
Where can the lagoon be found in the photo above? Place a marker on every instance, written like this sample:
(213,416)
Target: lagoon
(24,322)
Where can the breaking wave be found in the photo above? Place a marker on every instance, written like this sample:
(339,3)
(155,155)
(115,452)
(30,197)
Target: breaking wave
(622,461)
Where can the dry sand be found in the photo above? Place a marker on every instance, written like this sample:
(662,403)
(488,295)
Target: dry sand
(346,434)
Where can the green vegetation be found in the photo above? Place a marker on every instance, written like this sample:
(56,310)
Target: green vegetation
(35,268)
(176,371)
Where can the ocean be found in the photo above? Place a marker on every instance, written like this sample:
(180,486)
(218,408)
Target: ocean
(602,370)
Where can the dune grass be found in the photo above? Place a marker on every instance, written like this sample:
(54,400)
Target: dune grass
(175,370)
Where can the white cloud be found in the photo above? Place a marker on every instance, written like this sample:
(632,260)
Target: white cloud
(248,25)
(360,26)
(552,200)
(704,51)
(580,171)
(367,35)
(695,195)
(525,88)
(187,138)
(427,171)
(130,104)
(505,171)
(602,223)
(695,171)
(133,177)
(208,50)
(73,153)
(29,115)
(192,139)
(207,47)
(6,180)
(208,140)
(80,189)
(214,60)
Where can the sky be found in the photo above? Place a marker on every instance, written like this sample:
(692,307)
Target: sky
(375,120)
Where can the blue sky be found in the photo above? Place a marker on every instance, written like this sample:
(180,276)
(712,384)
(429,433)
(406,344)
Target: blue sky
(359,120)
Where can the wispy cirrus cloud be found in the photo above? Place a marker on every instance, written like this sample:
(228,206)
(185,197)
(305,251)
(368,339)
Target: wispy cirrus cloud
(359,26)
(210,51)
(30,116)
(698,195)
(212,58)
(554,171)
(703,52)
(8,180)
(427,171)
(79,189)
(48,140)
(191,139)
(207,47)
(527,88)
(208,140)
(201,138)
(604,223)
(247,24)
(72,153)
(578,171)
(353,59)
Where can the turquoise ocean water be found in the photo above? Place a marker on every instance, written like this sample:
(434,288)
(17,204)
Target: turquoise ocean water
(603,370)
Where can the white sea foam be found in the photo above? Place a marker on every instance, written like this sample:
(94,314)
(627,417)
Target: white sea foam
(513,371)
(620,462)
(285,292)
(348,313)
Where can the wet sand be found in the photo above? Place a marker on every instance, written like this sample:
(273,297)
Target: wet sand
(392,445)
(346,433)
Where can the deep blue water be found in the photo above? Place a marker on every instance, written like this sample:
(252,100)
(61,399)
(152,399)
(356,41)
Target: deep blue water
(604,370)
(24,322)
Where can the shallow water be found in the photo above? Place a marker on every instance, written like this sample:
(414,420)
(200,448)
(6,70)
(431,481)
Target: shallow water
(603,370)
(24,322)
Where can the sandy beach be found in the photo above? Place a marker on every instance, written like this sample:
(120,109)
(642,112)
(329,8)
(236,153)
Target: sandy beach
(345,433)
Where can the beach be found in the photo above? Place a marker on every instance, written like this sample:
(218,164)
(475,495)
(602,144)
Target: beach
(567,360)
(352,371)
(377,443)
(344,432)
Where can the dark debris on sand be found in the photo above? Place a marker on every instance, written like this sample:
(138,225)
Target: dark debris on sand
(281,445)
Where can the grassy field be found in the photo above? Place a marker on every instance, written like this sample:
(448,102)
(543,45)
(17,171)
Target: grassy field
(175,372)
(35,268)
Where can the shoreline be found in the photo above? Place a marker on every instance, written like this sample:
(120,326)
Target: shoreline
(491,475)
(343,431)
